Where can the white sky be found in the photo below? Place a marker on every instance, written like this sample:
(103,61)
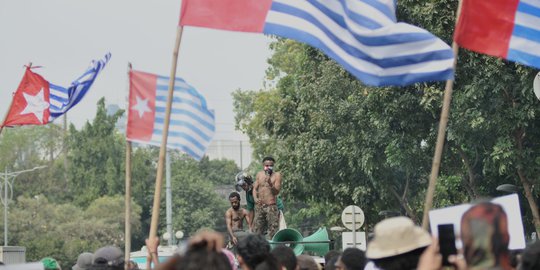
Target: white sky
(63,36)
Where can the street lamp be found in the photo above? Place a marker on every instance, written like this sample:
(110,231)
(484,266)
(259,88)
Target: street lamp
(178,236)
(9,177)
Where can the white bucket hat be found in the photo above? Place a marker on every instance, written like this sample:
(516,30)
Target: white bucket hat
(395,236)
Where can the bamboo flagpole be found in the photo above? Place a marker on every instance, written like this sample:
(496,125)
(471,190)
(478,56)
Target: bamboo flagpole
(163,148)
(441,135)
(127,236)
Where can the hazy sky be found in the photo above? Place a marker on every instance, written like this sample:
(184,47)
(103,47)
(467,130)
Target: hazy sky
(63,36)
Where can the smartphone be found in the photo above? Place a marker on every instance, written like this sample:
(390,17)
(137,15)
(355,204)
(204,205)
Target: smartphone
(447,242)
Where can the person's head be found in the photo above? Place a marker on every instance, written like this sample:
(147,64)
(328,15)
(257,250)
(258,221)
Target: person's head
(108,258)
(485,237)
(331,254)
(132,265)
(252,250)
(268,164)
(270,263)
(397,244)
(199,257)
(351,259)
(306,262)
(50,264)
(285,256)
(234,199)
(530,258)
(84,261)
(330,264)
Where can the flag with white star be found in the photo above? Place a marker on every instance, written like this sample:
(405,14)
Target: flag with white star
(30,105)
(192,123)
(38,102)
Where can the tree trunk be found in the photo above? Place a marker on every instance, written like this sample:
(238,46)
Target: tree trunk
(403,201)
(469,183)
(530,198)
(519,136)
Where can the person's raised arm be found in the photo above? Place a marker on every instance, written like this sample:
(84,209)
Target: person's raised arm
(275,187)
(152,245)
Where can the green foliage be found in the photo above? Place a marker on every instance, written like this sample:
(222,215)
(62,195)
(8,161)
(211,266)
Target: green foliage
(63,231)
(85,202)
(196,204)
(99,146)
(339,142)
(218,171)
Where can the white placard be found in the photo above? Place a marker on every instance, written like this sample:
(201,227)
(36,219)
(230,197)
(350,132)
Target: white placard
(509,203)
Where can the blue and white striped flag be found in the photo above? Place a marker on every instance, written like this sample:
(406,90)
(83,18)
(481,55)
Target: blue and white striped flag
(63,99)
(361,35)
(192,123)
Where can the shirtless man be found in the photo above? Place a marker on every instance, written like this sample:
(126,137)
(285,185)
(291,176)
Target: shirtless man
(265,191)
(235,217)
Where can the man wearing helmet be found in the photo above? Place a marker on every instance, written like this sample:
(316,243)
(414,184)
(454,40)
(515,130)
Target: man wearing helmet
(265,191)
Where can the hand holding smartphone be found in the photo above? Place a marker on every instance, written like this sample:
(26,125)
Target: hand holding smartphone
(447,242)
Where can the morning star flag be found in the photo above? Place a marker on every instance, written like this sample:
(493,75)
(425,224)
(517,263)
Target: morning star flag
(30,105)
(192,123)
(38,102)
(361,35)
(504,28)
(63,99)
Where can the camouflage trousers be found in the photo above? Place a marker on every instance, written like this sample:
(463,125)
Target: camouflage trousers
(266,220)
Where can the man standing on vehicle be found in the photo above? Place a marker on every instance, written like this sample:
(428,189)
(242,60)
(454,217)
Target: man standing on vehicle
(265,191)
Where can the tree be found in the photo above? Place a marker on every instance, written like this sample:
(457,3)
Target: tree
(218,171)
(96,158)
(339,141)
(196,204)
(63,231)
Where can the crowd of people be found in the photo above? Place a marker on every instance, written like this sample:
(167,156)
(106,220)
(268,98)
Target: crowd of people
(396,243)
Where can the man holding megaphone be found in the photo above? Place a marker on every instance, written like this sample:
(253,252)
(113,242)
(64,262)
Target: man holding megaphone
(265,191)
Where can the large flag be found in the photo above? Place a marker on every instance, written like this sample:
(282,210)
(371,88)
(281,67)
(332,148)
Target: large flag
(30,105)
(192,123)
(361,35)
(504,28)
(38,102)
(63,99)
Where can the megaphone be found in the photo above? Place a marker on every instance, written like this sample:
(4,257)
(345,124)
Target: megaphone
(318,242)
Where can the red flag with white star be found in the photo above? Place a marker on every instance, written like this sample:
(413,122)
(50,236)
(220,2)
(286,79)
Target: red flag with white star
(141,108)
(30,105)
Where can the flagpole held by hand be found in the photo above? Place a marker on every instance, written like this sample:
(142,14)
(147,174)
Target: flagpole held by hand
(443,123)
(163,147)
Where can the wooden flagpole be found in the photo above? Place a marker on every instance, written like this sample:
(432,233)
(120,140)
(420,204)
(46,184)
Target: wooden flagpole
(127,233)
(443,123)
(163,148)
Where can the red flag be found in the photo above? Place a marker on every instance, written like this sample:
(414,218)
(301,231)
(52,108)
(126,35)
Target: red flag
(141,110)
(486,26)
(30,105)
(234,15)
